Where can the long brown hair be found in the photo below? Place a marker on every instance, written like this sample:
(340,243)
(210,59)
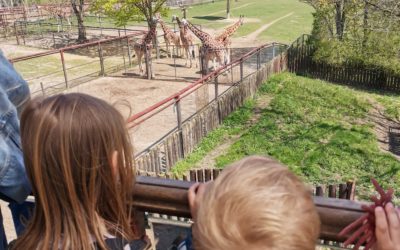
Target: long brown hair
(68,142)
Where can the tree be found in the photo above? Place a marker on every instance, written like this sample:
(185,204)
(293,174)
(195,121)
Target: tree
(123,11)
(79,9)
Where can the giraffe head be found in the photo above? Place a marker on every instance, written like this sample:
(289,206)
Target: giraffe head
(154,21)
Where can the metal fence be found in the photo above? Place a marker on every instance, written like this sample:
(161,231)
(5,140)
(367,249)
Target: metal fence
(46,35)
(171,129)
(53,71)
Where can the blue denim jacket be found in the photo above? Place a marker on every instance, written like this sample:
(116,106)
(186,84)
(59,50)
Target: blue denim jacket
(14,93)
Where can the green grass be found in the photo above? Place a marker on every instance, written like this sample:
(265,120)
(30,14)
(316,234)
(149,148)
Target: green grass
(232,125)
(320,131)
(257,12)
(266,11)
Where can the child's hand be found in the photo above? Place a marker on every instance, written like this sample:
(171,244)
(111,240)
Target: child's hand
(387,228)
(195,195)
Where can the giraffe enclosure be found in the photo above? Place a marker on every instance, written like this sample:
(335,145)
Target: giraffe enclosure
(114,76)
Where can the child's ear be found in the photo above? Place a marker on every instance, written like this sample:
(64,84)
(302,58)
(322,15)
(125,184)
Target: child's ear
(114,163)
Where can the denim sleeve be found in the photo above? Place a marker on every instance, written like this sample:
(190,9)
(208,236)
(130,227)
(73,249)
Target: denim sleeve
(13,94)
(13,84)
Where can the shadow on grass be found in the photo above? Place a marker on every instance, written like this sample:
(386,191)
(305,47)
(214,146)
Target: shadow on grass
(209,18)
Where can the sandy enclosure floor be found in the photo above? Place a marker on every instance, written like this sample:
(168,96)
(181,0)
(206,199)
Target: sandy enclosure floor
(131,93)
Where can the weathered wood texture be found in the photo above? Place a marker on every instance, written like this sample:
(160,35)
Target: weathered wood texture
(169,197)
(300,61)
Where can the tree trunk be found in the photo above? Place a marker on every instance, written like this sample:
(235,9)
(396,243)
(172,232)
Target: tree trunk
(340,18)
(79,13)
(366,33)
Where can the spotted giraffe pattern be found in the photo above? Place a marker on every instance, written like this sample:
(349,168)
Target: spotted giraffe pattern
(228,32)
(144,45)
(170,37)
(187,40)
(211,49)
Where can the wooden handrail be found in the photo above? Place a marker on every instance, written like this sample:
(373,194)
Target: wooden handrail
(169,197)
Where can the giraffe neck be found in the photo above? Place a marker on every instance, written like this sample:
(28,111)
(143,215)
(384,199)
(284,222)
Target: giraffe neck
(203,36)
(229,31)
(148,39)
(165,28)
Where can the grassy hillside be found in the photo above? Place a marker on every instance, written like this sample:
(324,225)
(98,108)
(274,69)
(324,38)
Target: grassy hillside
(265,11)
(320,130)
(257,12)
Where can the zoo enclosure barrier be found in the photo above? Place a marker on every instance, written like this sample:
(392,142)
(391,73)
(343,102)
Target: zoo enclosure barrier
(165,197)
(50,35)
(300,61)
(70,66)
(180,121)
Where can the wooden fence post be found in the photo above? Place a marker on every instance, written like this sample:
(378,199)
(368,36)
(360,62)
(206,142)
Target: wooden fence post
(259,59)
(129,51)
(179,121)
(64,69)
(54,40)
(147,57)
(241,69)
(216,98)
(100,51)
(16,32)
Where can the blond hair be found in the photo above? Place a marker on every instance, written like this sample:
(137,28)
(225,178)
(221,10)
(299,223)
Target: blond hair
(255,204)
(69,142)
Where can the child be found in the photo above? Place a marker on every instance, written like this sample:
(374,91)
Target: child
(78,158)
(387,229)
(254,204)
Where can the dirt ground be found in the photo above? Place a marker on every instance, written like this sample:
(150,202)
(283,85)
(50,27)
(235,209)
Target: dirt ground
(131,93)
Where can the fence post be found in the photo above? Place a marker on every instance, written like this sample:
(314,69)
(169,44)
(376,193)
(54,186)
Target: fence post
(174,59)
(41,86)
(179,121)
(40,28)
(64,69)
(99,49)
(16,32)
(148,62)
(273,50)
(157,49)
(216,98)
(259,59)
(129,51)
(241,69)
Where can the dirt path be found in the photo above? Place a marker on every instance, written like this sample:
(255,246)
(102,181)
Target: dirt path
(381,125)
(209,160)
(256,33)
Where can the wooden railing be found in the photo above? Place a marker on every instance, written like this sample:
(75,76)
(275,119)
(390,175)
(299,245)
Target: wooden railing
(166,196)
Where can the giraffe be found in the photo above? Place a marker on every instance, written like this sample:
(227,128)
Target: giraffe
(228,32)
(170,37)
(145,45)
(187,40)
(211,49)
(59,12)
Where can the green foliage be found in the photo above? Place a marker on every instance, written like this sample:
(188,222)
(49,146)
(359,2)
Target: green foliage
(124,11)
(370,34)
(320,131)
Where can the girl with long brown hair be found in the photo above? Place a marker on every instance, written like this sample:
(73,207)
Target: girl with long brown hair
(78,158)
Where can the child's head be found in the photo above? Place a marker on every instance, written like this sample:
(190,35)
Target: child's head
(256,204)
(78,158)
